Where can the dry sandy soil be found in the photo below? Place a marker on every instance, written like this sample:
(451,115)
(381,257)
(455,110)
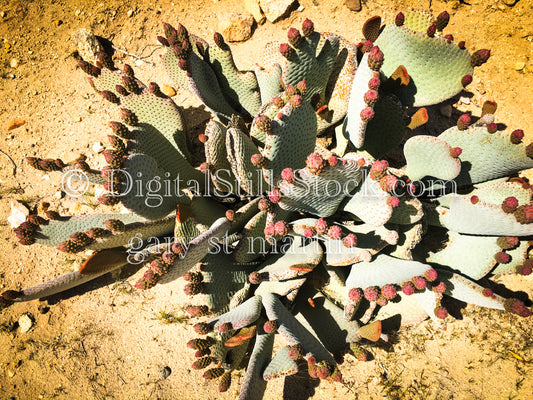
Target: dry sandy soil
(112,341)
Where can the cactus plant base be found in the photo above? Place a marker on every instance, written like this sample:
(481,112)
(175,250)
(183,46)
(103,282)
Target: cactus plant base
(107,339)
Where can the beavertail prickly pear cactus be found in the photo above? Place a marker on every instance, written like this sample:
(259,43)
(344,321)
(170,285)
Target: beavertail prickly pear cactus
(322,246)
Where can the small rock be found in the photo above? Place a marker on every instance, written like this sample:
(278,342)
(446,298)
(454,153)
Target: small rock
(301,9)
(519,66)
(353,5)
(58,22)
(130,13)
(165,372)
(87,44)
(59,194)
(236,27)
(2,14)
(446,110)
(510,3)
(18,215)
(15,123)
(252,6)
(138,63)
(11,374)
(25,323)
(77,13)
(10,137)
(168,90)
(98,147)
(30,52)
(464,100)
(14,63)
(275,9)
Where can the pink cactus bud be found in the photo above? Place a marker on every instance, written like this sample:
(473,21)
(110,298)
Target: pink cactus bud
(510,204)
(371,97)
(278,102)
(388,183)
(480,57)
(296,352)
(335,232)
(230,215)
(487,292)
(378,170)
(275,195)
(255,277)
(295,39)
(197,311)
(265,205)
(258,160)
(466,80)
(430,275)
(367,114)
(286,50)
(408,288)
(177,248)
(110,96)
(321,226)
(225,327)
(309,232)
(355,295)
(431,30)
(517,136)
(163,41)
(271,326)
(440,288)
(296,101)
(193,277)
(128,117)
(374,83)
(367,46)
(393,202)
(308,27)
(492,127)
(507,242)
(183,64)
(263,123)
(502,258)
(315,163)
(463,122)
(371,293)
(375,58)
(169,257)
(270,230)
(192,289)
(281,228)
(349,240)
(389,292)
(474,199)
(400,19)
(301,88)
(333,160)
(419,282)
(382,301)
(441,312)
(456,152)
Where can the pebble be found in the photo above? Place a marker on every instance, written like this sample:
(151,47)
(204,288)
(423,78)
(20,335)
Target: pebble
(519,66)
(353,5)
(446,110)
(59,194)
(509,3)
(236,27)
(25,323)
(77,13)
(165,372)
(130,13)
(275,10)
(168,90)
(2,14)
(98,147)
(465,100)
(14,63)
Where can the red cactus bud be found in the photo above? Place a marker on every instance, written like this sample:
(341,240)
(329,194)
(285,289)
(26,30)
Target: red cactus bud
(230,215)
(393,201)
(177,248)
(441,312)
(115,225)
(295,39)
(463,122)
(181,33)
(219,40)
(355,295)
(375,58)
(349,240)
(203,362)
(202,137)
(286,50)
(110,96)
(515,306)
(333,160)
(466,80)
(323,369)
(89,69)
(225,382)
(183,64)
(367,114)
(193,277)
(389,292)
(36,220)
(456,152)
(97,233)
(296,101)
(517,136)
(308,27)
(507,242)
(301,88)
(431,30)
(487,292)
(129,117)
(335,232)
(163,41)
(371,293)
(296,352)
(408,288)
(480,57)
(492,127)
(461,44)
(371,97)
(510,204)
(449,38)
(502,258)
(474,199)
(442,20)
(400,19)
(526,268)
(271,326)
(367,46)
(120,130)
(225,327)
(197,311)
(200,344)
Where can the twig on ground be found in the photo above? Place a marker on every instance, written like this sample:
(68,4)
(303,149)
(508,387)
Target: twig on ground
(12,162)
(134,56)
